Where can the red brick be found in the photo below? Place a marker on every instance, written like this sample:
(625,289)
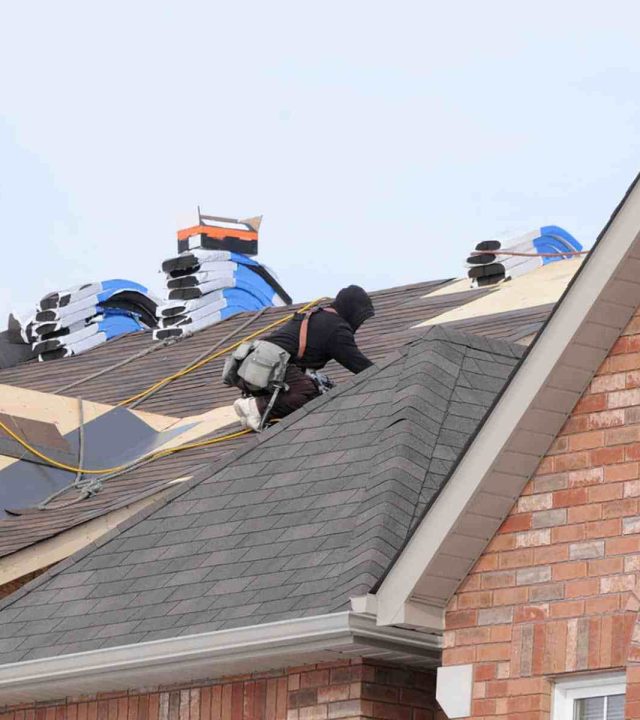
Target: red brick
(602,604)
(495,651)
(516,558)
(622,471)
(570,498)
(603,528)
(486,671)
(608,455)
(550,554)
(569,571)
(470,600)
(388,711)
(469,636)
(567,608)
(499,579)
(606,566)
(620,508)
(510,596)
(486,563)
(571,461)
(530,613)
(501,542)
(459,655)
(622,435)
(584,513)
(516,523)
(416,698)
(483,707)
(567,533)
(581,588)
(591,403)
(316,678)
(461,619)
(602,493)
(501,633)
(622,545)
(588,440)
(382,693)
(575,424)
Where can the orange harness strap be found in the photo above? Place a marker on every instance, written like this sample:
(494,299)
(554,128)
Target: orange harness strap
(304,329)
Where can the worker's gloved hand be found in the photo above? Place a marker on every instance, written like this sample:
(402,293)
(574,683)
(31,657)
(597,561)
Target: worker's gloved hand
(323,382)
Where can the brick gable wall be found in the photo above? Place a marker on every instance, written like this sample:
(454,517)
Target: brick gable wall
(329,691)
(556,589)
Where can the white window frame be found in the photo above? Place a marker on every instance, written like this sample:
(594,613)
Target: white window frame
(566,692)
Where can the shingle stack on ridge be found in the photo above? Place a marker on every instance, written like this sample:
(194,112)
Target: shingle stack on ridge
(70,322)
(213,277)
(487,265)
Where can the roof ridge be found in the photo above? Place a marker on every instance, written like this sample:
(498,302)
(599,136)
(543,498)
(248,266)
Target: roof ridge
(398,473)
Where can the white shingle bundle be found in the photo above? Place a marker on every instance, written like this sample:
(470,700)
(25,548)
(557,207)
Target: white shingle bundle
(72,321)
(492,260)
(205,286)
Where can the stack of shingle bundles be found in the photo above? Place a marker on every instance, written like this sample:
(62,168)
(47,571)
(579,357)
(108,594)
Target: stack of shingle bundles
(210,280)
(488,266)
(72,321)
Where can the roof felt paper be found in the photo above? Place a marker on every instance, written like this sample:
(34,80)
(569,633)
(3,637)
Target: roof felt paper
(294,523)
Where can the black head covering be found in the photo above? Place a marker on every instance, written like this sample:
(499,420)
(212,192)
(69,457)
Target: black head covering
(353,305)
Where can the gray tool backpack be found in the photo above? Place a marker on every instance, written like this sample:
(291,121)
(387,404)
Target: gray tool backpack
(260,365)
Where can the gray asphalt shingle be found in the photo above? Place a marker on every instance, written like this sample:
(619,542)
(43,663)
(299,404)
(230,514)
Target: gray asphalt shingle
(311,513)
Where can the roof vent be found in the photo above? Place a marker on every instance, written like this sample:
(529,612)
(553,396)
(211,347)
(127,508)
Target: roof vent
(493,261)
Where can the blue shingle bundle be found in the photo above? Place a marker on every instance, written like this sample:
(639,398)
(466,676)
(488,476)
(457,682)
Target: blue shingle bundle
(69,322)
(547,244)
(205,286)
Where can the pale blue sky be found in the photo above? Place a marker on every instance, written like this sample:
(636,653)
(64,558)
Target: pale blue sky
(380,140)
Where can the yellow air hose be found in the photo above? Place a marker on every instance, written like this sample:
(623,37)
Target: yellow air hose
(164,381)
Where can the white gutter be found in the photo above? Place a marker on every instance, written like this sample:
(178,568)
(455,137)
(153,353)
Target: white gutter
(214,654)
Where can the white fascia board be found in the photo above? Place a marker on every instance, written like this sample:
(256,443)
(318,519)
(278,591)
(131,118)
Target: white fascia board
(579,303)
(207,655)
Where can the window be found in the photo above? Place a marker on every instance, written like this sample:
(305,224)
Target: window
(595,697)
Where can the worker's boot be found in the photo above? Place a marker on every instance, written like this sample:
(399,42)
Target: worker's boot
(247,410)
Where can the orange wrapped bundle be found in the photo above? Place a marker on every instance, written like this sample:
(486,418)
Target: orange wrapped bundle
(218,233)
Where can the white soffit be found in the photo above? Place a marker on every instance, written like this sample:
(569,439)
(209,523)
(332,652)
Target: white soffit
(517,433)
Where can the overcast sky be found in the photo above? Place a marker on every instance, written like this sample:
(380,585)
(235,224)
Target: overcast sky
(380,140)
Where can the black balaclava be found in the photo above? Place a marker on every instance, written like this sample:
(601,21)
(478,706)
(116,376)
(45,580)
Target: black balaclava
(353,305)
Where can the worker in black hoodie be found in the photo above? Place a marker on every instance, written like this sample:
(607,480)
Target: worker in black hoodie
(330,336)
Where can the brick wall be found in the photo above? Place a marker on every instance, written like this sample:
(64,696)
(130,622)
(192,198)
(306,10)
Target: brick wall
(329,691)
(556,590)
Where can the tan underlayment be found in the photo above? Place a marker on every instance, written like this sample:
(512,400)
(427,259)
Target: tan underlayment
(539,287)
(64,412)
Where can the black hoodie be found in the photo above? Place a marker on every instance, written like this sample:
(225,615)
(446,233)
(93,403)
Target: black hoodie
(330,335)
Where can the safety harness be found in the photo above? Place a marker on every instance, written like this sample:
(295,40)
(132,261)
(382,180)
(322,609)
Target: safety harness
(302,346)
(261,365)
(304,327)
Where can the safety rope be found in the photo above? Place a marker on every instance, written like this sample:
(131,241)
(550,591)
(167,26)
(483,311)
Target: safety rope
(91,487)
(106,471)
(569,253)
(204,354)
(197,365)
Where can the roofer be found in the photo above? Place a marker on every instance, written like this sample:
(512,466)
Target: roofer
(278,375)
